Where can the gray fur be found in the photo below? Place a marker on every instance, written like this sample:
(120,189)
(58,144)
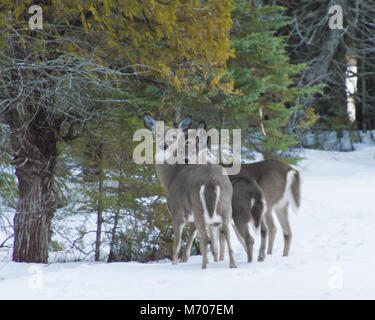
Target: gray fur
(271,175)
(248,207)
(248,201)
(183,183)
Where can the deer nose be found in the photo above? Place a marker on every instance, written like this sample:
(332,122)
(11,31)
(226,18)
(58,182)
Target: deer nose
(165,146)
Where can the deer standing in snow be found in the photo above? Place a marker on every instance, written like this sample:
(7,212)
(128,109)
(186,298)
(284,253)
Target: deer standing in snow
(280,185)
(200,193)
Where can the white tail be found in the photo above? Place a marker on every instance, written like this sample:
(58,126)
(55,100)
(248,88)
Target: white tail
(291,176)
(199,193)
(281,185)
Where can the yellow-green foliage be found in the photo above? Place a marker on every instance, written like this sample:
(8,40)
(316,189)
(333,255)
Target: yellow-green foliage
(171,38)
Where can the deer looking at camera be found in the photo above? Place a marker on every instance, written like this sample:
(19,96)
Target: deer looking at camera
(200,194)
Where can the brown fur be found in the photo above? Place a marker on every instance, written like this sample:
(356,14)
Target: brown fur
(248,205)
(271,175)
(183,183)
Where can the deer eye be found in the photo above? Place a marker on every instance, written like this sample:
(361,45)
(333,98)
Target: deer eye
(188,142)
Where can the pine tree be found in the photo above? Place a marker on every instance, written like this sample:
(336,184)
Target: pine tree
(50,79)
(266,95)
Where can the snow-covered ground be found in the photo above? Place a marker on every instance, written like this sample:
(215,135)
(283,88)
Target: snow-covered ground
(332,254)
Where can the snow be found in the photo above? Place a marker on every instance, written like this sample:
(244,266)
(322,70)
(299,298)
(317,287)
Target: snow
(332,253)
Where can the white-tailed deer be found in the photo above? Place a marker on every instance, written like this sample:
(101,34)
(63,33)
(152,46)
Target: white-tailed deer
(197,193)
(248,207)
(281,185)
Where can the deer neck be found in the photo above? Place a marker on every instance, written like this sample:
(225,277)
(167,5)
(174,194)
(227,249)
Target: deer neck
(166,173)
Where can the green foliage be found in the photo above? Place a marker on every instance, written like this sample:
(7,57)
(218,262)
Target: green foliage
(128,192)
(266,96)
(171,41)
(217,61)
(90,71)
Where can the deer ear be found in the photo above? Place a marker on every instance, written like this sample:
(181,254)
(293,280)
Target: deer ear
(149,122)
(202,125)
(185,123)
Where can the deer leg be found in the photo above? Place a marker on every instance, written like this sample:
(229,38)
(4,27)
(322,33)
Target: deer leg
(214,241)
(263,235)
(203,240)
(239,236)
(222,243)
(232,262)
(271,230)
(243,230)
(282,215)
(191,237)
(177,232)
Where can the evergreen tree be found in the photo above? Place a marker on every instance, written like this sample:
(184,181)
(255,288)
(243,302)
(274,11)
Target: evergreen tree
(266,95)
(50,78)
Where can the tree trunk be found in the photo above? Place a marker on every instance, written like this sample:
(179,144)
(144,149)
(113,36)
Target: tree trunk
(33,136)
(360,96)
(112,255)
(35,160)
(33,218)
(99,219)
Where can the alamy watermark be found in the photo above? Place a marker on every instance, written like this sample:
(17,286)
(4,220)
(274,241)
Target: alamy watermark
(173,146)
(335,21)
(337,18)
(36,20)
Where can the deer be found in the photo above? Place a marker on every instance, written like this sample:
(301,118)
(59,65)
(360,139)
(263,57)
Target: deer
(197,193)
(281,186)
(248,207)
